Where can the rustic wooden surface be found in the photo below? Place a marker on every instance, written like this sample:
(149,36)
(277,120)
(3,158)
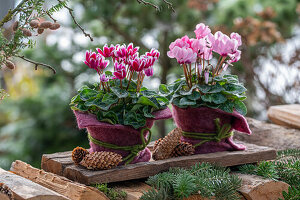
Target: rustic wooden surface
(270,135)
(134,189)
(285,115)
(62,164)
(258,188)
(25,189)
(61,185)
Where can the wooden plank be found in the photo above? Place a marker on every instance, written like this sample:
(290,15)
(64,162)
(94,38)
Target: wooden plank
(253,154)
(259,188)
(22,188)
(285,115)
(134,189)
(61,185)
(270,135)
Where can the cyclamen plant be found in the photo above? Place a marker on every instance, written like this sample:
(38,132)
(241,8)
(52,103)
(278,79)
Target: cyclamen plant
(202,84)
(119,98)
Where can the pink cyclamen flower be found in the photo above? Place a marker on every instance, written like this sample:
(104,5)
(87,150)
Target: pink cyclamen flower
(138,64)
(132,50)
(183,55)
(202,31)
(206,76)
(103,78)
(236,37)
(149,71)
(222,44)
(103,63)
(120,51)
(154,53)
(107,51)
(181,42)
(120,71)
(92,60)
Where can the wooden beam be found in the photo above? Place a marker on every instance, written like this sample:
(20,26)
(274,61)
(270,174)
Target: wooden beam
(23,189)
(270,135)
(285,115)
(61,185)
(67,168)
(259,188)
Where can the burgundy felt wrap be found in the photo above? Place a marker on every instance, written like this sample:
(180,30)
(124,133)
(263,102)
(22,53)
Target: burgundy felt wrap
(118,134)
(201,120)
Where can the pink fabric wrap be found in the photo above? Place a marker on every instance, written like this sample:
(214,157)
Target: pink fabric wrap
(118,134)
(201,120)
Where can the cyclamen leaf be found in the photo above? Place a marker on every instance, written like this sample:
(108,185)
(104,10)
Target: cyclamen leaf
(227,107)
(240,107)
(163,89)
(207,98)
(194,96)
(146,101)
(218,98)
(87,93)
(204,88)
(184,101)
(234,88)
(148,93)
(121,93)
(215,88)
(147,112)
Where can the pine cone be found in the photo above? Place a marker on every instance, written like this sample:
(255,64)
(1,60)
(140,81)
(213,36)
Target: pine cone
(166,146)
(183,149)
(156,143)
(78,154)
(101,160)
(6,191)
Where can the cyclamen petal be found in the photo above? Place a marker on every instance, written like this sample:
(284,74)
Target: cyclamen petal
(149,71)
(202,31)
(206,76)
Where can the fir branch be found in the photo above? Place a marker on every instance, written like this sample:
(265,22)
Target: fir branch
(75,21)
(36,64)
(153,194)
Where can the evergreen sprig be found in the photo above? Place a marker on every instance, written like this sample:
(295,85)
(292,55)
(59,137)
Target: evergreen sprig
(111,193)
(205,179)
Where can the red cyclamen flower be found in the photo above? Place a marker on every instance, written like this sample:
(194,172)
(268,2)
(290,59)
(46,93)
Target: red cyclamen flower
(107,51)
(138,64)
(149,71)
(92,59)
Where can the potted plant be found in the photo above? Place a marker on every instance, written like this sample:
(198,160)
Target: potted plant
(118,111)
(207,105)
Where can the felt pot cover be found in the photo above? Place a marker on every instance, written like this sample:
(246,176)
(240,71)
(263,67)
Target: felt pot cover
(118,134)
(202,120)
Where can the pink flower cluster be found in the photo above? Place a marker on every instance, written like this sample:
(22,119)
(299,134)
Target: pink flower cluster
(126,61)
(189,50)
(125,58)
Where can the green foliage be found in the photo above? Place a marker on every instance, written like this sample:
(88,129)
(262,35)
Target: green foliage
(119,106)
(292,194)
(205,179)
(224,92)
(154,194)
(111,193)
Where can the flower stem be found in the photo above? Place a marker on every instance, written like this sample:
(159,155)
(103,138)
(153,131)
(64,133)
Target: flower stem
(186,75)
(130,77)
(220,64)
(121,83)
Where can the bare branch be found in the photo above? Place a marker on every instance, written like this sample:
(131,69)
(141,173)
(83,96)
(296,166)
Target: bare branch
(170,6)
(75,21)
(36,64)
(54,20)
(148,3)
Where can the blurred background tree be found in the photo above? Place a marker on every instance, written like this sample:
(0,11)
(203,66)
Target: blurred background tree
(36,118)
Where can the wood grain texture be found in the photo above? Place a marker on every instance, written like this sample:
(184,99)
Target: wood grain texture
(259,188)
(61,185)
(24,189)
(253,154)
(285,115)
(134,189)
(270,135)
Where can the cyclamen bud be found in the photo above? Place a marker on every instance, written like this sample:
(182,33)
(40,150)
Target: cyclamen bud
(206,76)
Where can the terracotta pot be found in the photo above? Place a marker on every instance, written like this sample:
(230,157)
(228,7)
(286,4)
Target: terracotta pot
(202,120)
(118,134)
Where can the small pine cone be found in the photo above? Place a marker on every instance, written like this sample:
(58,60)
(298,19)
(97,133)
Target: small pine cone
(34,23)
(101,160)
(40,31)
(15,25)
(6,191)
(166,146)
(10,65)
(156,143)
(78,154)
(45,25)
(183,149)
(55,26)
(26,32)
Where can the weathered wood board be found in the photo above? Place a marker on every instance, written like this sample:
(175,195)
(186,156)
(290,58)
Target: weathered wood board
(62,164)
(286,115)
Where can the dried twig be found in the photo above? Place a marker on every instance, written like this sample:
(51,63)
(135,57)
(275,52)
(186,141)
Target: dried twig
(148,3)
(170,6)
(75,21)
(36,64)
(54,20)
